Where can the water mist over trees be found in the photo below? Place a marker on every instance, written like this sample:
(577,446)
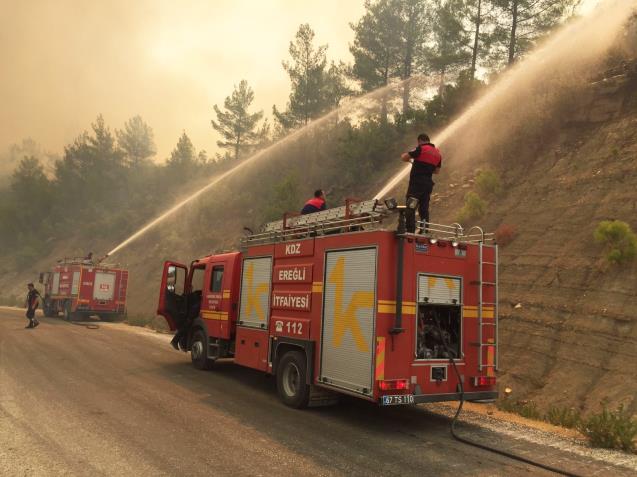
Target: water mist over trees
(107,184)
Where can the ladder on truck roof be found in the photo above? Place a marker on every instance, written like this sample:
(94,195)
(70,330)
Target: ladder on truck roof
(354,216)
(492,287)
(350,217)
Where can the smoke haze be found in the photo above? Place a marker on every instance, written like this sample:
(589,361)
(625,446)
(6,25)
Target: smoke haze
(64,62)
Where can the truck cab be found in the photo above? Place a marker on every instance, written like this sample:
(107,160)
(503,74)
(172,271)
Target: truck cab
(200,303)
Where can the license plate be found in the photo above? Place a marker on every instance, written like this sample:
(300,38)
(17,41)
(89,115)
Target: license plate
(395,400)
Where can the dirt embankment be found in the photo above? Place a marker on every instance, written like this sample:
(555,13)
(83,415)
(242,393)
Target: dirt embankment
(572,341)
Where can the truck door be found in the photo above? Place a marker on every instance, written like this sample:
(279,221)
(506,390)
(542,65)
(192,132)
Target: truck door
(172,297)
(216,306)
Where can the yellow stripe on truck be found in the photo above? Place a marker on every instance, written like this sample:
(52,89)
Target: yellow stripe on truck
(389,306)
(215,315)
(472,312)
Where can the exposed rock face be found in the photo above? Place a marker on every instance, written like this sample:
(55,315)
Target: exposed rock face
(573,342)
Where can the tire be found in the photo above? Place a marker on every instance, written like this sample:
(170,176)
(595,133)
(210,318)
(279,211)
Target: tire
(291,380)
(68,315)
(198,351)
(47,309)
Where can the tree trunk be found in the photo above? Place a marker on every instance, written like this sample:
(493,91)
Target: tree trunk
(514,27)
(476,40)
(409,54)
(383,100)
(441,87)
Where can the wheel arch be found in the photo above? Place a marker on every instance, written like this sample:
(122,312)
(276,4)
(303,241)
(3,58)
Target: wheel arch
(198,324)
(280,346)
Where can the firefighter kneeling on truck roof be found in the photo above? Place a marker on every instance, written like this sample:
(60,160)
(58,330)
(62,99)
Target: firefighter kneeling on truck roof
(425,160)
(315,204)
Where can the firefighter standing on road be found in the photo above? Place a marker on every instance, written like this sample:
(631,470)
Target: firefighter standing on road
(33,297)
(426,160)
(315,204)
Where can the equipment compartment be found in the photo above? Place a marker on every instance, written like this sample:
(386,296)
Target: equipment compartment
(438,325)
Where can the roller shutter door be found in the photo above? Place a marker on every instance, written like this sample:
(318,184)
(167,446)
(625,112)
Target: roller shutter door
(256,281)
(349,319)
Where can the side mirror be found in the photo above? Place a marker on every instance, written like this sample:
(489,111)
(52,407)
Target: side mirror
(171,278)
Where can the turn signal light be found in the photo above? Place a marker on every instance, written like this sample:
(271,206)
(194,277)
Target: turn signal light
(393,385)
(484,381)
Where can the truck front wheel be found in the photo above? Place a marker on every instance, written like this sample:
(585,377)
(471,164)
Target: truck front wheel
(198,353)
(291,380)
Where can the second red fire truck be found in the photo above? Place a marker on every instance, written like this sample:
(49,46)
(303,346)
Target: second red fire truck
(333,303)
(79,287)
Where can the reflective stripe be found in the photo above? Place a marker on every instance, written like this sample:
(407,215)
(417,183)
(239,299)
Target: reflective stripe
(389,306)
(215,315)
(380,358)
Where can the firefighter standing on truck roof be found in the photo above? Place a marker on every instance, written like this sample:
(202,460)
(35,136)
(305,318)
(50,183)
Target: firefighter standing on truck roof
(315,204)
(425,161)
(33,297)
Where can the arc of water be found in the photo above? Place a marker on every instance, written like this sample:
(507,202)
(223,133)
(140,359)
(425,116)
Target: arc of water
(612,13)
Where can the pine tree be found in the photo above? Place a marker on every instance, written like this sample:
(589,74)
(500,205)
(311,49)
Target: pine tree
(31,188)
(137,141)
(308,80)
(449,53)
(92,167)
(522,22)
(235,124)
(414,16)
(377,44)
(183,158)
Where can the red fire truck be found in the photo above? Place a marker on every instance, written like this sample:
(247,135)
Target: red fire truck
(79,288)
(332,303)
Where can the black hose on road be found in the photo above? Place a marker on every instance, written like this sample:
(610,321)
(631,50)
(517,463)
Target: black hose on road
(88,326)
(477,444)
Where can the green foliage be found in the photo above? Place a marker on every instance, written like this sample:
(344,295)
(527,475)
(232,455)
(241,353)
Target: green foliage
(618,238)
(474,207)
(376,46)
(315,88)
(183,159)
(522,22)
(285,197)
(235,124)
(449,52)
(488,183)
(137,141)
(361,150)
(611,429)
(564,417)
(527,409)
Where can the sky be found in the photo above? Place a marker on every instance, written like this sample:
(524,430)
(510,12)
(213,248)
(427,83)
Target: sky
(66,61)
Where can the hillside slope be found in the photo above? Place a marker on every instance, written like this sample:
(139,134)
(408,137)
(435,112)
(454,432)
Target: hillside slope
(573,338)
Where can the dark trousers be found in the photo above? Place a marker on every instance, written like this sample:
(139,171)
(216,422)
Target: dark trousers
(420,190)
(30,314)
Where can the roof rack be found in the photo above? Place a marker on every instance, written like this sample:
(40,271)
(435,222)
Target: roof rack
(354,216)
(86,261)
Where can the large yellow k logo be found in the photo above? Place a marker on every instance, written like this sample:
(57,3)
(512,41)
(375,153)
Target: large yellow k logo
(254,294)
(345,320)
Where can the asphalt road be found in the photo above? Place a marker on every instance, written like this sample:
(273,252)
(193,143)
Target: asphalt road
(119,401)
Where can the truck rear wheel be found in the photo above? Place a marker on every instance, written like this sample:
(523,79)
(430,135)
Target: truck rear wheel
(198,353)
(68,314)
(48,308)
(291,380)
